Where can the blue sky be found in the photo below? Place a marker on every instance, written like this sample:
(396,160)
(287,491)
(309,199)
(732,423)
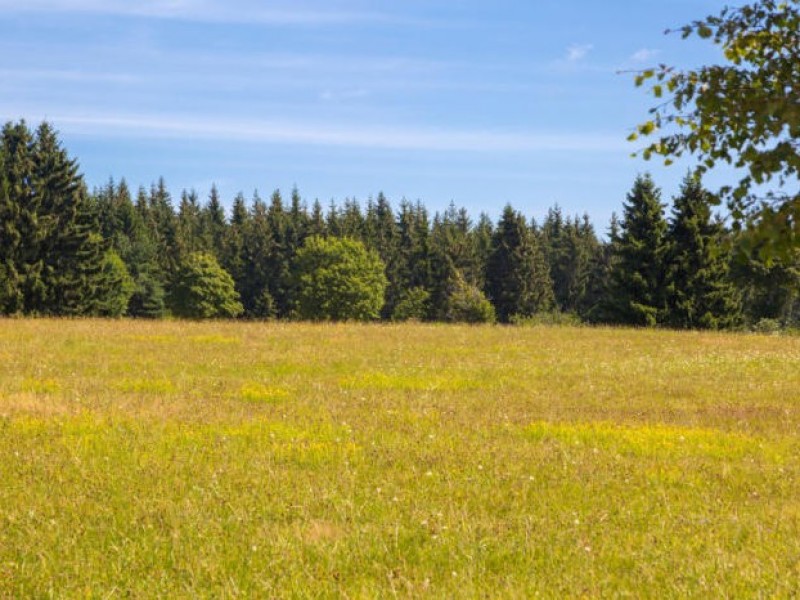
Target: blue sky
(477,102)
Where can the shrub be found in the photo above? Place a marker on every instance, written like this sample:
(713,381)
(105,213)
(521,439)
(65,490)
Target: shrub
(204,290)
(413,305)
(547,318)
(119,286)
(768,326)
(147,301)
(467,304)
(338,279)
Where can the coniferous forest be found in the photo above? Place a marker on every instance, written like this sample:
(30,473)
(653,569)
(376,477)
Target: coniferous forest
(69,251)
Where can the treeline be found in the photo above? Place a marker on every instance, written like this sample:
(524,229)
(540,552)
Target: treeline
(114,252)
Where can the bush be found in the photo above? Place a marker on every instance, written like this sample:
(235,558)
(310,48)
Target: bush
(768,326)
(119,286)
(264,306)
(467,304)
(554,318)
(204,290)
(147,301)
(338,279)
(413,305)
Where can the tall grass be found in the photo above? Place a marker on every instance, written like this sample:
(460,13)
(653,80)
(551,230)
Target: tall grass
(223,460)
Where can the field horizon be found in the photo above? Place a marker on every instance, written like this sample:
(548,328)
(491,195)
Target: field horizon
(223,459)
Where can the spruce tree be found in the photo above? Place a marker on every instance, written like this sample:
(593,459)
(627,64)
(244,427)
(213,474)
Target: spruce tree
(383,237)
(443,270)
(585,251)
(10,294)
(350,220)
(637,290)
(20,233)
(278,263)
(162,227)
(213,224)
(70,245)
(316,222)
(233,256)
(420,270)
(600,307)
(453,256)
(78,284)
(123,224)
(481,242)
(189,226)
(411,259)
(298,223)
(257,278)
(591,260)
(700,293)
(333,224)
(517,275)
(555,245)
(570,246)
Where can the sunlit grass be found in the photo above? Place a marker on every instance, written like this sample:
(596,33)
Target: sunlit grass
(256,392)
(223,459)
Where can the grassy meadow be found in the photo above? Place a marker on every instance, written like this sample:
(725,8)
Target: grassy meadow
(283,460)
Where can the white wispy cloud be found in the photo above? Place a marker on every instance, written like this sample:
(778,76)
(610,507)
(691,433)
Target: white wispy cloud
(233,11)
(578,52)
(67,75)
(643,55)
(341,95)
(316,134)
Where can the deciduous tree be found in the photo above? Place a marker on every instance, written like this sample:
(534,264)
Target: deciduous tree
(338,279)
(744,113)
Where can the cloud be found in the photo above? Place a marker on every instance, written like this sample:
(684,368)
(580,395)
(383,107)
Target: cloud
(67,75)
(578,52)
(644,55)
(315,134)
(341,95)
(232,11)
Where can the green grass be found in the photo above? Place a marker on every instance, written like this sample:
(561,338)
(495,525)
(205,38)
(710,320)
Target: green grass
(222,460)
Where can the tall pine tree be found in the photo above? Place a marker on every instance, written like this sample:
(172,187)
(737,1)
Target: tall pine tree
(213,224)
(517,275)
(700,293)
(637,294)
(257,278)
(20,234)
